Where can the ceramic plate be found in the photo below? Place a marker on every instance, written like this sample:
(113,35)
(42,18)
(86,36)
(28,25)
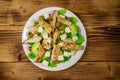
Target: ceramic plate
(74,59)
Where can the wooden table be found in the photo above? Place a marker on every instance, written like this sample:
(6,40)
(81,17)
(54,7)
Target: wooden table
(101,60)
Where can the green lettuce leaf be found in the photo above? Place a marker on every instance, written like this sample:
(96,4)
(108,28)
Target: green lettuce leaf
(31,55)
(61,11)
(74,20)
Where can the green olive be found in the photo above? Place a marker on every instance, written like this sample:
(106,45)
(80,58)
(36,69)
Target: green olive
(57,24)
(68,18)
(62,27)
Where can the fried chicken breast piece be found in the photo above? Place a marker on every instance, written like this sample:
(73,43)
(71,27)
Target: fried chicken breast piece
(40,53)
(69,44)
(32,40)
(46,45)
(33,29)
(55,35)
(45,24)
(63,21)
(54,55)
(53,19)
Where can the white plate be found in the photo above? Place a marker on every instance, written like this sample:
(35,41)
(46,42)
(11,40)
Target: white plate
(73,59)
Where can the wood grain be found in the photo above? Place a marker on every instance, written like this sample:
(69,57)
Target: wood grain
(13,51)
(82,70)
(101,60)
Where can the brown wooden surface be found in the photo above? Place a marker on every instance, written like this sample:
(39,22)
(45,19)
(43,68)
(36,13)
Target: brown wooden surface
(101,60)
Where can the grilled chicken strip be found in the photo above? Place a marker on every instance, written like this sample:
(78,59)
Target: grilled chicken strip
(53,19)
(44,24)
(32,40)
(68,44)
(54,55)
(55,35)
(33,29)
(40,53)
(46,45)
(63,21)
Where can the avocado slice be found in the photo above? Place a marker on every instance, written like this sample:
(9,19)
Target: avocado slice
(35,47)
(74,29)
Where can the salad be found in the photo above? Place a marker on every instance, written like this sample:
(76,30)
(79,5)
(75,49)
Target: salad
(54,38)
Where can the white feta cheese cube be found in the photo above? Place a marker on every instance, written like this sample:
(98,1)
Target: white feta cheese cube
(60,44)
(45,63)
(45,35)
(35,35)
(75,38)
(67,30)
(62,16)
(63,37)
(40,29)
(49,40)
(71,54)
(60,57)
(47,54)
(46,15)
(67,54)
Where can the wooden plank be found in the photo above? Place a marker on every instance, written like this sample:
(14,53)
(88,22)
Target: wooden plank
(93,5)
(11,28)
(82,70)
(102,28)
(97,50)
(106,33)
(99,31)
(16,12)
(12,51)
(102,44)
(101,60)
